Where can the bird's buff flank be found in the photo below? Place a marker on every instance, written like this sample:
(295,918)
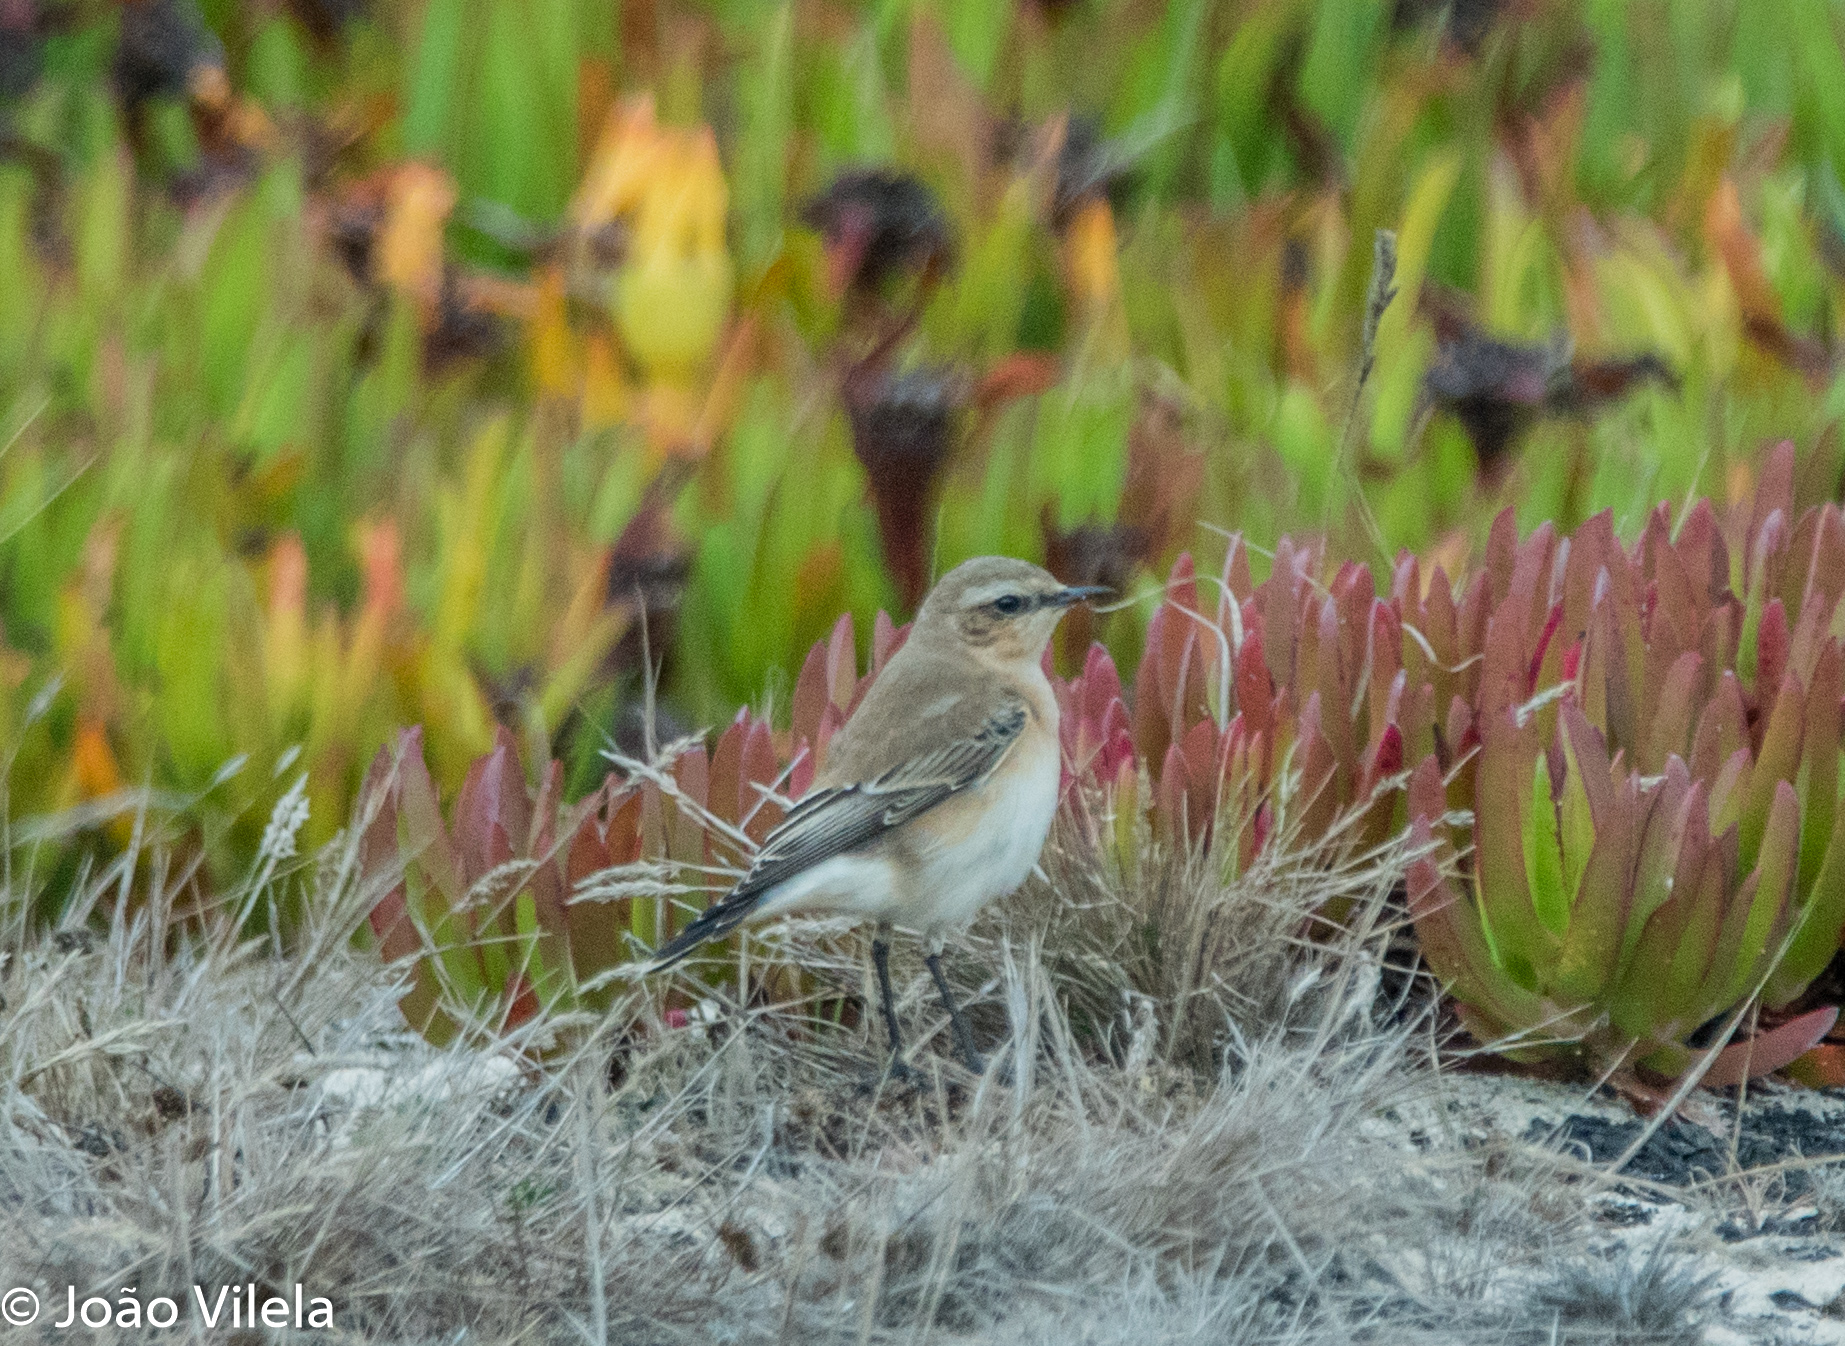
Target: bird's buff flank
(939,791)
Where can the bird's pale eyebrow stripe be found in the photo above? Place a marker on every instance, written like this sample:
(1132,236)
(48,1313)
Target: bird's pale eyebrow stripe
(986,593)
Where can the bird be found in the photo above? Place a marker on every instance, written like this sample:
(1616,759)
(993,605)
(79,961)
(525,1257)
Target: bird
(937,793)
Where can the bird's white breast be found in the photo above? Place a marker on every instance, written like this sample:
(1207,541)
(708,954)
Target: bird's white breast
(1009,815)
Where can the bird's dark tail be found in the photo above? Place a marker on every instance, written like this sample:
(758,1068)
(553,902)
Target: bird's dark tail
(713,923)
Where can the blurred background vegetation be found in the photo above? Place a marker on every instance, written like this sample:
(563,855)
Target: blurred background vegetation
(367,364)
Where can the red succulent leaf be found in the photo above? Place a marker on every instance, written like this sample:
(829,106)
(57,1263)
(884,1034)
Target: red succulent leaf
(1767,551)
(810,695)
(1171,635)
(1551,625)
(1427,795)
(1117,742)
(727,770)
(1722,729)
(1591,549)
(609,835)
(483,837)
(1099,684)
(685,830)
(392,927)
(1672,708)
(1774,486)
(1170,793)
(886,640)
(1500,553)
(841,663)
(831,721)
(1771,644)
(1255,689)
(1203,765)
(801,771)
(1319,795)
(1772,1050)
(1825,577)
(758,811)
(1572,662)
(521,1003)
(546,884)
(1701,546)
(378,844)
(1384,657)
(545,808)
(1386,760)
(1236,588)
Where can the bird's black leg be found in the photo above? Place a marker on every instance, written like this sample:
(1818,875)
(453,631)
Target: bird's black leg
(964,1040)
(880,959)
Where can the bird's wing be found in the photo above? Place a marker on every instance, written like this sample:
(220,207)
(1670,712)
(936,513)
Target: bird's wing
(839,819)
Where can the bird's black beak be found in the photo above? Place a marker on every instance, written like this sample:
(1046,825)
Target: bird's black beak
(1064,598)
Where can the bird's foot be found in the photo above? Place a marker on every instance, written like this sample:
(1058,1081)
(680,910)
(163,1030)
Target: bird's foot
(894,1074)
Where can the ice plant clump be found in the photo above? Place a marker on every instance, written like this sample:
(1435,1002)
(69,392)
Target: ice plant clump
(522,903)
(479,907)
(1647,784)
(1279,708)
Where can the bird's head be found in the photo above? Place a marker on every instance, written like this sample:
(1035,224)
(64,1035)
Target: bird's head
(1001,610)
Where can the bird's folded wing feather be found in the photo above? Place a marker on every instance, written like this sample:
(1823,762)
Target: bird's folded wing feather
(843,818)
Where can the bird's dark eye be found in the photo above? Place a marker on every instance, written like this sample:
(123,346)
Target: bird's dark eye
(1008,605)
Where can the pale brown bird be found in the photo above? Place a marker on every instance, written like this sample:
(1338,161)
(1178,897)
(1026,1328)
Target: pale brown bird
(937,794)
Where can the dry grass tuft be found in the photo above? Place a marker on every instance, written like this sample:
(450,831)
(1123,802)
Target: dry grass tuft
(1184,1136)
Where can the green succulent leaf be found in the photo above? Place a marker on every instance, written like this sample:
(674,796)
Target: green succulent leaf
(1544,853)
(1520,940)
(1677,1007)
(1668,814)
(1598,919)
(1762,916)
(1776,765)
(1819,765)
(1587,794)
(1821,925)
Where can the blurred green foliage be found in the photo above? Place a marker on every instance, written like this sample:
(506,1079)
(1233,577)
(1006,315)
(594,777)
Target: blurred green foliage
(357,365)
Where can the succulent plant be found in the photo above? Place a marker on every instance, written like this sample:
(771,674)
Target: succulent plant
(478,908)
(521,902)
(1280,708)
(1650,773)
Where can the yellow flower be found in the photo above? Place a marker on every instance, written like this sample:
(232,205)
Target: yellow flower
(673,293)
(1090,247)
(626,160)
(419,201)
